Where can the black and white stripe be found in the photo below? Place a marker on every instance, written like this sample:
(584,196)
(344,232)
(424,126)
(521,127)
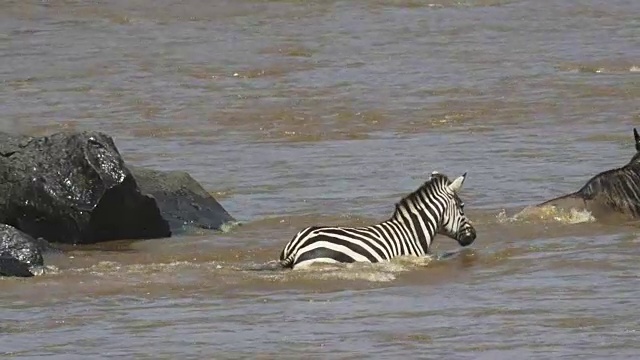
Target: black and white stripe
(433,208)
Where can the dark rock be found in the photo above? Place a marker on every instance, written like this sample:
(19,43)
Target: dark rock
(19,252)
(182,201)
(22,246)
(610,195)
(73,188)
(10,266)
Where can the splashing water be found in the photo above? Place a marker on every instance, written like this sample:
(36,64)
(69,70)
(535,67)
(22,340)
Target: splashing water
(546,214)
(374,272)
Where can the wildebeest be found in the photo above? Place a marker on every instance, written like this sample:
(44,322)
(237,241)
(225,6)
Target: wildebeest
(611,193)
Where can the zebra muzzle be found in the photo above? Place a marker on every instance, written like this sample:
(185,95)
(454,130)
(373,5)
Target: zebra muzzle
(467,236)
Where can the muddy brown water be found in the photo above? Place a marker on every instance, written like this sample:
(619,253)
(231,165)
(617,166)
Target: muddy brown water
(296,113)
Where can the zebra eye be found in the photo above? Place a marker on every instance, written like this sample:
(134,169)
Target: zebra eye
(461,205)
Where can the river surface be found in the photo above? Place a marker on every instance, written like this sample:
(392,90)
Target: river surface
(294,113)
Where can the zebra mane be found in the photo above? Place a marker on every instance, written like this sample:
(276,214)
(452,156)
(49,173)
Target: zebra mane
(433,182)
(618,188)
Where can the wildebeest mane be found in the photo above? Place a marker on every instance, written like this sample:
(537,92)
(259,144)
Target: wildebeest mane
(636,157)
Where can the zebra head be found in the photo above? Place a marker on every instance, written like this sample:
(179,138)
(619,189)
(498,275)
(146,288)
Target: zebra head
(455,223)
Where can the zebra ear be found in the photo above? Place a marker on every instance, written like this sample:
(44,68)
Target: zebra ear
(457,183)
(637,138)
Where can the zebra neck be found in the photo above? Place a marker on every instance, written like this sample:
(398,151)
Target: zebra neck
(420,228)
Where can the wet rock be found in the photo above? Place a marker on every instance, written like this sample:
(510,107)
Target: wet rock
(10,266)
(73,188)
(19,252)
(183,202)
(611,195)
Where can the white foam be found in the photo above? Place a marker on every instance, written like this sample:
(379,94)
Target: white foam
(384,271)
(44,270)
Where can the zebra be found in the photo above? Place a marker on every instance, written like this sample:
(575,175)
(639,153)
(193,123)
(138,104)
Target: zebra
(434,208)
